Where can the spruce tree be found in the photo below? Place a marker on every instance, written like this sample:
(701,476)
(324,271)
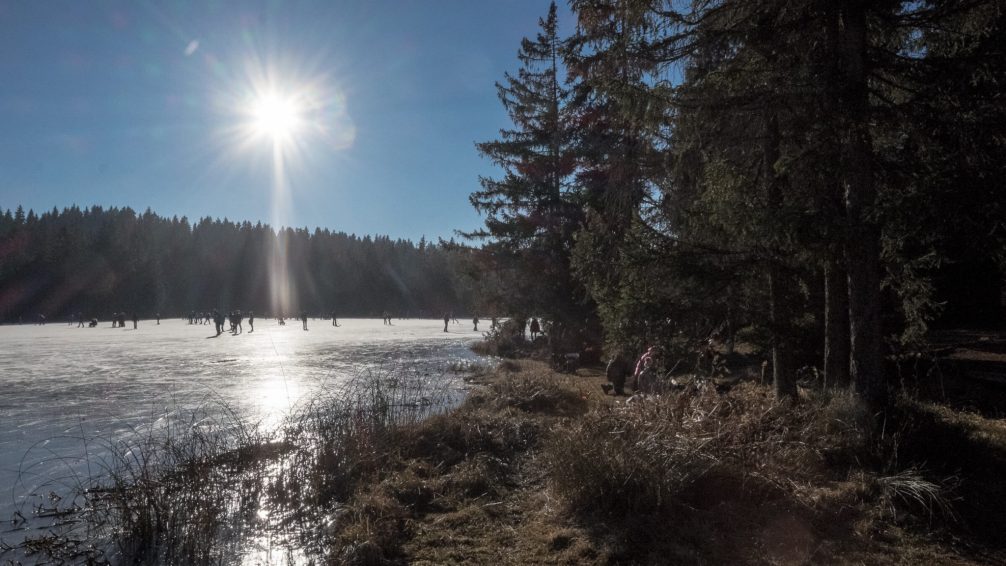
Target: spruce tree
(531,212)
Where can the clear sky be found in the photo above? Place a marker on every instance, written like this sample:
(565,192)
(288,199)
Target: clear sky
(153,104)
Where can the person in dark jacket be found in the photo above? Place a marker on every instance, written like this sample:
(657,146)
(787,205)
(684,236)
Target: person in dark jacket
(616,372)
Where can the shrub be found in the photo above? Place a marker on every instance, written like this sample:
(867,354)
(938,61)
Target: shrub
(505,341)
(646,456)
(531,393)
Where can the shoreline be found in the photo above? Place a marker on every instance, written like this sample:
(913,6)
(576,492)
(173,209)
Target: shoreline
(526,472)
(536,466)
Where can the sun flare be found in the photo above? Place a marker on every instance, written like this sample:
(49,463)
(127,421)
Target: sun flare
(276,117)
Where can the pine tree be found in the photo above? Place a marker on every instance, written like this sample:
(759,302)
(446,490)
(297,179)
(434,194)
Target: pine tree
(531,213)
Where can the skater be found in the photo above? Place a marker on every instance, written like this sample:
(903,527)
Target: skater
(535,328)
(303,318)
(251,322)
(218,321)
(157,315)
(447,320)
(335,321)
(136,319)
(475,321)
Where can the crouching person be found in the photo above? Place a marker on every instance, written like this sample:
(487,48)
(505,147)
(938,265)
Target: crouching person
(644,377)
(616,372)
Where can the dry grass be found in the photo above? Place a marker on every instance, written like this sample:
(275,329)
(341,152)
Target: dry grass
(541,468)
(698,477)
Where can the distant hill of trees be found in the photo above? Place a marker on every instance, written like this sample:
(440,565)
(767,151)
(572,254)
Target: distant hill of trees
(97,261)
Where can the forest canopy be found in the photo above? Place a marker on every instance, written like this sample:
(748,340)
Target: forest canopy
(827,175)
(96,261)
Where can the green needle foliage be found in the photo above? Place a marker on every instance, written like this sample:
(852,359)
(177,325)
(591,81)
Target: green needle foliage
(820,172)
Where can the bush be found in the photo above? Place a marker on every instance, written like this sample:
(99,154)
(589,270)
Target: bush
(646,456)
(505,341)
(531,393)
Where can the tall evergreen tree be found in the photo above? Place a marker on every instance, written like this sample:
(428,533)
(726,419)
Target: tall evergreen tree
(531,212)
(805,137)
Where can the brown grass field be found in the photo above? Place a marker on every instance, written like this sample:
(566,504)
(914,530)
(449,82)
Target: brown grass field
(542,468)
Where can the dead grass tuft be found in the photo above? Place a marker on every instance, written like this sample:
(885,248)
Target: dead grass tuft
(645,456)
(531,392)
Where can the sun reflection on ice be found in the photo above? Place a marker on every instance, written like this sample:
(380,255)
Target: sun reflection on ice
(276,539)
(275,396)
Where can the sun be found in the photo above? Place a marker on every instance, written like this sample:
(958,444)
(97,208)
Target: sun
(276,117)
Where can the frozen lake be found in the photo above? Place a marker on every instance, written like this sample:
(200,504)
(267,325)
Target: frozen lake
(61,384)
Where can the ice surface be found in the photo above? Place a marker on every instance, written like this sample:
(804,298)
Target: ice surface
(61,385)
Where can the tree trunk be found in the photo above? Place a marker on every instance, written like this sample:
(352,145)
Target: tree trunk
(863,243)
(780,286)
(836,325)
(783,376)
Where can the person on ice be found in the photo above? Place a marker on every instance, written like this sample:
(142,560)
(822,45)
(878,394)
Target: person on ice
(303,318)
(475,322)
(218,321)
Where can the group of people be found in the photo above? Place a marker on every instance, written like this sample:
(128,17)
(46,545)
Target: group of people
(522,323)
(119,320)
(234,321)
(644,373)
(533,326)
(201,317)
(236,317)
(220,320)
(449,317)
(79,319)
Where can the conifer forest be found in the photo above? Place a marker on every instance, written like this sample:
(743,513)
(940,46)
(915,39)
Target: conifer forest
(827,175)
(739,266)
(98,261)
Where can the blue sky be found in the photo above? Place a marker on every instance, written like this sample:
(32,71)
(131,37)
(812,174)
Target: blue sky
(145,104)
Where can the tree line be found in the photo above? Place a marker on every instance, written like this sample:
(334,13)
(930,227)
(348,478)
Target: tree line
(96,261)
(827,175)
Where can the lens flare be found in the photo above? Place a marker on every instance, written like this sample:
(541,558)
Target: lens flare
(276,117)
(289,119)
